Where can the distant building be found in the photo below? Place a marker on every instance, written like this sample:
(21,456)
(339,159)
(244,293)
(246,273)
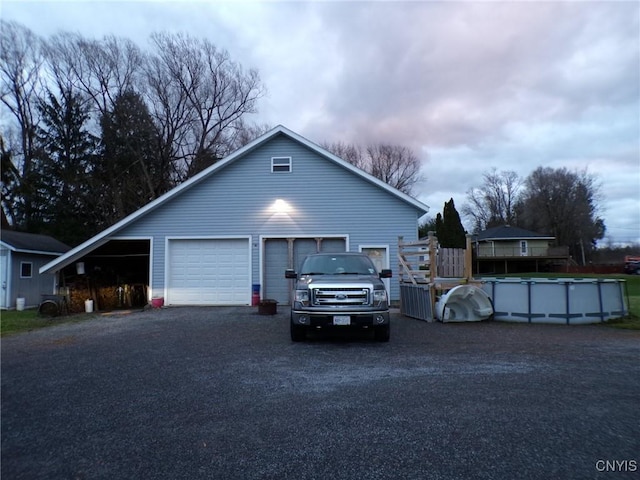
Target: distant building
(507,249)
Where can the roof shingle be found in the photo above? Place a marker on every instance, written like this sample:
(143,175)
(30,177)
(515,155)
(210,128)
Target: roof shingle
(507,232)
(31,242)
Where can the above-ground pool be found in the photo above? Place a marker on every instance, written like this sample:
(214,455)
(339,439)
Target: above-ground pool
(556,300)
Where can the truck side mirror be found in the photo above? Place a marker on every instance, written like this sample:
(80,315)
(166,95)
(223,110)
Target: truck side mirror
(386,273)
(290,274)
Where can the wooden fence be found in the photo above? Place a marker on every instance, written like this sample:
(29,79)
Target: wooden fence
(425,270)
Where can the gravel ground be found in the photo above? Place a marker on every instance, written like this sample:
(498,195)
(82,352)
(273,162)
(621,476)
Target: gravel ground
(222,393)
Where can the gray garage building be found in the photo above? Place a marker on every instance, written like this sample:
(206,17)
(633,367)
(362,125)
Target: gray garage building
(244,220)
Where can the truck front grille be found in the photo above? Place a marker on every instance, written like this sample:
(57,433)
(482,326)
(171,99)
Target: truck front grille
(340,296)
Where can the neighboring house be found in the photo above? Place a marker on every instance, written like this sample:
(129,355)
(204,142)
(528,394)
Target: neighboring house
(508,249)
(237,226)
(21,256)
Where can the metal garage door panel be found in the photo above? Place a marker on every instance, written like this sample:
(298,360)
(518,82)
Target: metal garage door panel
(301,248)
(277,259)
(209,272)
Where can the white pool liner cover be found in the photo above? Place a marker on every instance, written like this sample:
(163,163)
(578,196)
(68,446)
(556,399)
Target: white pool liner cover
(464,303)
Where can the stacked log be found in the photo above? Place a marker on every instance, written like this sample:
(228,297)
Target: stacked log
(106,297)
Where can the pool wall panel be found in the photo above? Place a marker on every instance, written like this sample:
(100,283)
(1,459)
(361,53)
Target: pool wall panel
(557,300)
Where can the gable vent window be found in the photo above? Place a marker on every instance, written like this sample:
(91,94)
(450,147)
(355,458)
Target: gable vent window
(280,164)
(26,269)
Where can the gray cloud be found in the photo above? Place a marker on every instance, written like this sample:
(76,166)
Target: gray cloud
(458,73)
(467,85)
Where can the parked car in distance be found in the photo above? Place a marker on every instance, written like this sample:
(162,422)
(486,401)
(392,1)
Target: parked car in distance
(339,290)
(632,268)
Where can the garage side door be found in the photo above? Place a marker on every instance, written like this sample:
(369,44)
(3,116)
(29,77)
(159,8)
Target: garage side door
(209,272)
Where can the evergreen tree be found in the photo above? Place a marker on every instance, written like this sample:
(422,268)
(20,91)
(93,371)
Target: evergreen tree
(439,226)
(428,226)
(130,168)
(64,157)
(452,233)
(10,180)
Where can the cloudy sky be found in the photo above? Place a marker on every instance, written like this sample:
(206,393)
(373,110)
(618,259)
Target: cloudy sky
(469,86)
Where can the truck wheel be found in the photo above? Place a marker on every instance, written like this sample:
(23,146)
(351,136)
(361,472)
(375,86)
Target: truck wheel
(298,333)
(383,333)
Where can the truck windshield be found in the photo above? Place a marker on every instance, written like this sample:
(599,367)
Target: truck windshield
(339,264)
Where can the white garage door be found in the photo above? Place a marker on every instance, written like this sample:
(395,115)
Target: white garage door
(209,272)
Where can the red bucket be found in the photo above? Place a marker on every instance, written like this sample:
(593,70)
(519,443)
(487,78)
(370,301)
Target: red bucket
(157,302)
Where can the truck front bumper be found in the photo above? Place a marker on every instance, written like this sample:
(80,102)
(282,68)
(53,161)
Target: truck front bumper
(339,319)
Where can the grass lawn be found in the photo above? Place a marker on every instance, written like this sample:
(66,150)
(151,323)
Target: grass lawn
(12,321)
(632,321)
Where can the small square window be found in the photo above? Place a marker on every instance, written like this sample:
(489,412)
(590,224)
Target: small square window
(280,164)
(26,269)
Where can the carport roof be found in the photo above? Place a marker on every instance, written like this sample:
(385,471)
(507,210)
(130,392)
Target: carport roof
(103,237)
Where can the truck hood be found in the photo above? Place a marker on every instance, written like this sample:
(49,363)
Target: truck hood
(336,280)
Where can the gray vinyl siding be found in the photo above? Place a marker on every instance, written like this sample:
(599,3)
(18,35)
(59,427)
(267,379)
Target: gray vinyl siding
(326,199)
(31,288)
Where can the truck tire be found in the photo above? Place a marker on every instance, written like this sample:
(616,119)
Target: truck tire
(383,333)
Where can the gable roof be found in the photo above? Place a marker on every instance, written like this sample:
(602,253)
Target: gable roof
(102,237)
(507,232)
(32,243)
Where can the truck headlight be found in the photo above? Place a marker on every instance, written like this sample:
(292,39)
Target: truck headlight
(302,296)
(380,296)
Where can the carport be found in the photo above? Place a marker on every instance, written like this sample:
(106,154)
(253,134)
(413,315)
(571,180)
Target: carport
(114,275)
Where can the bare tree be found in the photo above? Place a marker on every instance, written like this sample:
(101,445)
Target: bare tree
(564,204)
(169,108)
(103,70)
(205,94)
(243,133)
(21,62)
(493,203)
(351,153)
(393,164)
(194,96)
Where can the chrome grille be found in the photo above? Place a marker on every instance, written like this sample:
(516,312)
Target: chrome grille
(340,296)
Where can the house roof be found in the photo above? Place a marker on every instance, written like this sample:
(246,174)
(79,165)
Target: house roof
(103,236)
(507,232)
(32,243)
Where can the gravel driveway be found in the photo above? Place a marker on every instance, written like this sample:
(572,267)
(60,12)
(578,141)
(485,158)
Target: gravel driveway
(222,393)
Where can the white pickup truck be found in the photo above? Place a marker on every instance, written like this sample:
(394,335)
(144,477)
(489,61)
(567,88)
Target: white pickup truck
(339,290)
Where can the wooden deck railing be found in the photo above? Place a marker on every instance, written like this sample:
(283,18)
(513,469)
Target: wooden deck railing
(486,251)
(424,264)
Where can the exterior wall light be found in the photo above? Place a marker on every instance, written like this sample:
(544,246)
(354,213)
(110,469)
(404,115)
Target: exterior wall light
(280,206)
